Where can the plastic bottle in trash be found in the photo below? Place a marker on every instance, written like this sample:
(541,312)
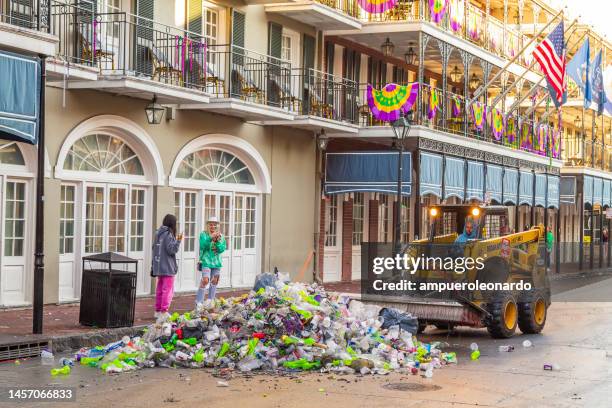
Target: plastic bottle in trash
(473,346)
(47,358)
(429,371)
(66,362)
(506,348)
(249,364)
(393,332)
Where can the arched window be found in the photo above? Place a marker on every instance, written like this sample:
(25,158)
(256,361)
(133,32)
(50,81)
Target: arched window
(10,153)
(215,165)
(103,153)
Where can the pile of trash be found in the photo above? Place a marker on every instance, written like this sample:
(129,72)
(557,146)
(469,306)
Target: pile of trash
(290,326)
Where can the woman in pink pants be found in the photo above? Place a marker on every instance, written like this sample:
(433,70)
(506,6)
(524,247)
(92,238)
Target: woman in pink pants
(164,265)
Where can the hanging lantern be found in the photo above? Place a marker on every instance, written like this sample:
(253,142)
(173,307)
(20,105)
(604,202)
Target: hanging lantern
(387,48)
(455,74)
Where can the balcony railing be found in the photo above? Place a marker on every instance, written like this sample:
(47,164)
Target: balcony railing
(579,152)
(120,43)
(348,7)
(453,115)
(31,14)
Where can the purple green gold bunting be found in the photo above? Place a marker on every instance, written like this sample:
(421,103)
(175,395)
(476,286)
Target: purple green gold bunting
(387,103)
(556,145)
(456,14)
(455,106)
(542,136)
(376,6)
(497,123)
(511,129)
(434,104)
(478,115)
(526,136)
(472,26)
(437,9)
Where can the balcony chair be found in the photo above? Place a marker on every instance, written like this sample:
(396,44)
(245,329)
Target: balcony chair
(318,107)
(163,66)
(214,78)
(287,97)
(87,50)
(248,87)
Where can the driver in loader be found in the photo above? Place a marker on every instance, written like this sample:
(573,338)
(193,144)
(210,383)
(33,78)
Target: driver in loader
(469,231)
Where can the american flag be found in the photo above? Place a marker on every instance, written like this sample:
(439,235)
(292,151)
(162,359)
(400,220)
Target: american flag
(550,54)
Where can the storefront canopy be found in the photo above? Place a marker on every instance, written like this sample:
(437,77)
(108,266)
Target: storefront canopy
(540,190)
(552,197)
(349,172)
(511,183)
(495,179)
(475,181)
(526,188)
(587,190)
(430,181)
(19,97)
(454,178)
(567,190)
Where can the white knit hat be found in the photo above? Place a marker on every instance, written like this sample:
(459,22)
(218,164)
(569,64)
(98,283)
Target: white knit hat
(212,220)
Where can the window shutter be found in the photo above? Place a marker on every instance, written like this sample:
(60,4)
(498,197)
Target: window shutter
(238,26)
(144,36)
(329,57)
(309,52)
(275,39)
(194,16)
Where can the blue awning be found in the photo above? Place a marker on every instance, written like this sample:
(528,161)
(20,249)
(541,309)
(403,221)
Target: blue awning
(540,191)
(526,188)
(567,190)
(587,190)
(553,192)
(475,181)
(454,178)
(510,186)
(606,193)
(495,180)
(349,172)
(431,175)
(597,191)
(19,97)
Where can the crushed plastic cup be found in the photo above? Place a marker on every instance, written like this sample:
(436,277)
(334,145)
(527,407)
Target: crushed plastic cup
(47,358)
(473,346)
(506,349)
(527,344)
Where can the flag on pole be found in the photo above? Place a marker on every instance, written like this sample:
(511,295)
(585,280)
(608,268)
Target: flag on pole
(597,83)
(578,66)
(550,55)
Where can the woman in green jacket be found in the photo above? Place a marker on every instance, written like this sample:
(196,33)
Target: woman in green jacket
(212,245)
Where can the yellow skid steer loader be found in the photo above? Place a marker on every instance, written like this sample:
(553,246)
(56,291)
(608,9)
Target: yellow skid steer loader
(502,260)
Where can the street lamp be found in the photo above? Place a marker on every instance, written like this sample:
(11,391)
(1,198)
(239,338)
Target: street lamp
(474,81)
(155,112)
(387,48)
(410,56)
(455,74)
(401,128)
(322,140)
(578,122)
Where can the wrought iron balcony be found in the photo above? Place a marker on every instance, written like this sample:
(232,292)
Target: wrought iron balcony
(128,45)
(453,115)
(31,14)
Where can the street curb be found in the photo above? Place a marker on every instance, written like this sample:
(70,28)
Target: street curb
(60,344)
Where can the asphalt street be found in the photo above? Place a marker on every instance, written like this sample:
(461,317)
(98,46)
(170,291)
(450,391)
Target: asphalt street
(577,338)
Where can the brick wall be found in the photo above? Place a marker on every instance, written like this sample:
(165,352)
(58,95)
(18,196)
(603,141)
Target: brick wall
(373,221)
(321,243)
(347,239)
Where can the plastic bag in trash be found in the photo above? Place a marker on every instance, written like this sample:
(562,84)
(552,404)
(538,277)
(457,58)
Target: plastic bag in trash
(393,317)
(272,280)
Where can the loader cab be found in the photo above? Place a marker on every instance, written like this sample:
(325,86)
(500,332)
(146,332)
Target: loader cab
(448,221)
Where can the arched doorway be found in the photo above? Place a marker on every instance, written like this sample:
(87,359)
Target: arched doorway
(16,222)
(108,167)
(223,176)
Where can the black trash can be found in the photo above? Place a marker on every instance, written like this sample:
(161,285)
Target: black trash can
(108,290)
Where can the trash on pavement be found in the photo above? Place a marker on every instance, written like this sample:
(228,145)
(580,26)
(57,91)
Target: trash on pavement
(47,357)
(284,327)
(405,321)
(505,348)
(552,367)
(65,370)
(527,344)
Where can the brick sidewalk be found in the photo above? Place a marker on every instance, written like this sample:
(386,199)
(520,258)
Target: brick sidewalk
(63,320)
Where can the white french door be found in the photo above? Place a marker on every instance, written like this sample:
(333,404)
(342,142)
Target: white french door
(14,270)
(332,253)
(68,266)
(360,231)
(244,246)
(185,209)
(219,204)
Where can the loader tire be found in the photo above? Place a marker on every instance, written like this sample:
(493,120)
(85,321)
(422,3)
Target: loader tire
(532,312)
(504,315)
